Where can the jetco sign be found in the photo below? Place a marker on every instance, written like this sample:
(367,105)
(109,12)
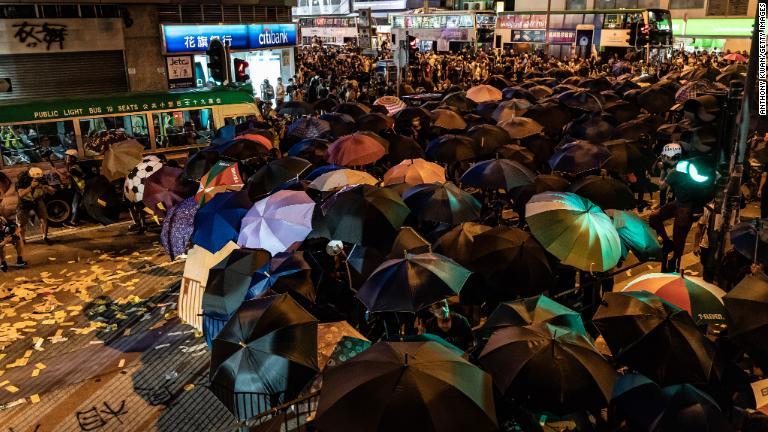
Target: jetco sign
(189,39)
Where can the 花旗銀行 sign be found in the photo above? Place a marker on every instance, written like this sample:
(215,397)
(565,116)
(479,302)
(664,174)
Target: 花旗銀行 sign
(196,38)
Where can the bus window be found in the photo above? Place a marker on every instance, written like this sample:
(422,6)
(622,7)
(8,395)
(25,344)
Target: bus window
(36,142)
(183,128)
(134,125)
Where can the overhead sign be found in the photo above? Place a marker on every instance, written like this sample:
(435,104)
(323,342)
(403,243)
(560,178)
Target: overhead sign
(614,38)
(41,36)
(190,39)
(562,36)
(180,73)
(528,36)
(713,27)
(326,7)
(364,28)
(521,22)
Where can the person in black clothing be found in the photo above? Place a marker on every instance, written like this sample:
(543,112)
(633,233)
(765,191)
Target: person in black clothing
(451,326)
(10,234)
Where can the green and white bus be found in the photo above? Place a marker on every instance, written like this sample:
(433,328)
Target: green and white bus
(37,131)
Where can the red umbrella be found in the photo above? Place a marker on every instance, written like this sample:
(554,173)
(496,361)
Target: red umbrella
(354,150)
(735,57)
(165,188)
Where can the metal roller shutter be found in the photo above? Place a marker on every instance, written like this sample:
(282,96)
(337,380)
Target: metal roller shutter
(63,74)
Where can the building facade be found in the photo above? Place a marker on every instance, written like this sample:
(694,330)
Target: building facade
(64,48)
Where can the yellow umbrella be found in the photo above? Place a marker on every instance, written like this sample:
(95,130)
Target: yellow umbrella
(414,172)
(484,93)
(337,179)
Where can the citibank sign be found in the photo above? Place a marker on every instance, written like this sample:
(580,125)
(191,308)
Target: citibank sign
(189,39)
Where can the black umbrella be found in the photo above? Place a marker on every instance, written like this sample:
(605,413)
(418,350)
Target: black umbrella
(488,138)
(451,148)
(579,157)
(688,409)
(412,283)
(606,192)
(636,400)
(460,101)
(199,163)
(402,148)
(622,111)
(230,279)
(353,109)
(599,84)
(275,173)
(539,91)
(408,240)
(541,183)
(511,262)
(521,127)
(363,214)
(581,100)
(626,157)
(442,202)
(102,201)
(518,93)
(519,154)
(542,147)
(497,174)
(311,149)
(374,122)
(532,310)
(549,368)
(341,124)
(746,307)
(325,105)
(498,81)
(296,108)
(655,338)
(406,387)
(553,116)
(595,129)
(656,98)
(633,130)
(407,114)
(290,273)
(457,242)
(623,86)
(264,355)
(750,242)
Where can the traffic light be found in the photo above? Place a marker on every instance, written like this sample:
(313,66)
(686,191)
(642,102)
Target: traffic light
(412,50)
(217,60)
(241,67)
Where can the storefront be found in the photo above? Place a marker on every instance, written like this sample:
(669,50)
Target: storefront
(713,34)
(268,49)
(60,57)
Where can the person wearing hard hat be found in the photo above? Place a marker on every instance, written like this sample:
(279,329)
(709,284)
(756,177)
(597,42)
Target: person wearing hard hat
(670,155)
(32,189)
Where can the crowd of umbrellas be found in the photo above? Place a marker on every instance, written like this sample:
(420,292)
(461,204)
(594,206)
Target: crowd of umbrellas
(368,214)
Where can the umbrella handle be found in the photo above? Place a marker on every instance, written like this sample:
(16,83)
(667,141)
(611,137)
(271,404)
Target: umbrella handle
(757,241)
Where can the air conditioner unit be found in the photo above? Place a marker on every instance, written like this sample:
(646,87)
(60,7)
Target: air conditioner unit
(475,6)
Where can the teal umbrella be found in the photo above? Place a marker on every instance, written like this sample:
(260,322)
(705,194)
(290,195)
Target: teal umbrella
(575,230)
(636,236)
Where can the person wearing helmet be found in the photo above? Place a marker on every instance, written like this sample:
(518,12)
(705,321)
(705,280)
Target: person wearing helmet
(32,189)
(670,155)
(74,178)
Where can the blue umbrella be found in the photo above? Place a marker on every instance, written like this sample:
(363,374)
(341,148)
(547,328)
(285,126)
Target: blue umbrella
(224,135)
(317,172)
(218,222)
(178,226)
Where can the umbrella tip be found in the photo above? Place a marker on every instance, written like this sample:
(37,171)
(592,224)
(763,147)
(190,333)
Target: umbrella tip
(242,344)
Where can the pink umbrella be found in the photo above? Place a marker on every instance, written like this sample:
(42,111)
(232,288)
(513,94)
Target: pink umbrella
(277,221)
(735,57)
(355,150)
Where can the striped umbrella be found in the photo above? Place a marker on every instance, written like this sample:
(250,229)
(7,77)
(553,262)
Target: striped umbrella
(414,172)
(574,230)
(392,103)
(701,299)
(308,127)
(223,176)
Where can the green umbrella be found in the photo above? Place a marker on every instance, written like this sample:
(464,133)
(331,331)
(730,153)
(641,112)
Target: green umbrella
(636,235)
(574,230)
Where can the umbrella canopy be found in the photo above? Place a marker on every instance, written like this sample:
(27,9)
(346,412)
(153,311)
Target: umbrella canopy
(581,100)
(269,346)
(688,409)
(637,400)
(484,93)
(412,283)
(245,147)
(548,367)
(414,172)
(325,105)
(218,222)
(654,337)
(510,109)
(606,192)
(656,98)
(402,147)
(751,243)
(574,230)
(133,188)
(296,108)
(274,174)
(341,124)
(457,243)
(521,127)
(177,227)
(165,188)
(498,81)
(355,150)
(626,157)
(101,200)
(745,307)
(694,89)
(497,174)
(519,154)
(99,142)
(541,183)
(622,110)
(517,93)
(120,158)
(223,176)
(392,103)
(308,127)
(230,279)
(595,129)
(330,335)
(540,91)
(442,202)
(579,157)
(406,115)
(451,148)
(636,235)
(407,387)
(735,57)
(337,179)
(488,138)
(408,240)
(353,109)
(510,261)
(289,272)
(701,299)
(277,221)
(533,310)
(199,163)
(375,122)
(448,119)
(460,101)
(553,116)
(362,214)
(311,149)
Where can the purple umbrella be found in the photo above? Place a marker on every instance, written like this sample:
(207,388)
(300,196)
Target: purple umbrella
(178,226)
(277,221)
(165,188)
